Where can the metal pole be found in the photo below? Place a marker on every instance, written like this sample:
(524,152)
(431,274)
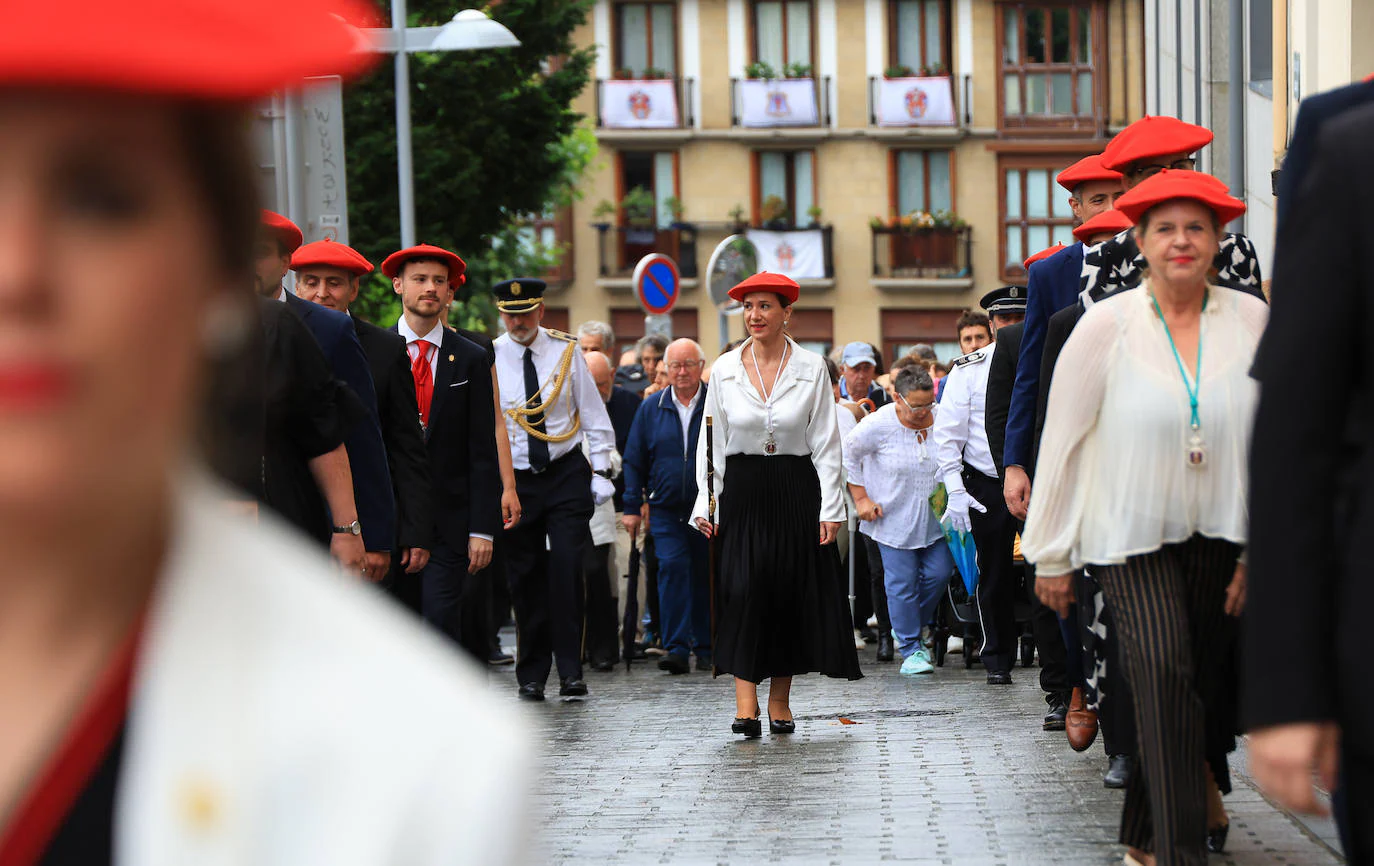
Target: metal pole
(1237,106)
(405,174)
(724,330)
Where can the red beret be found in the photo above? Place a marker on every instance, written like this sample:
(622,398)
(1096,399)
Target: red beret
(283,229)
(1153,137)
(1110,221)
(1087,169)
(779,284)
(220,50)
(1043,254)
(1172,184)
(330,254)
(396,261)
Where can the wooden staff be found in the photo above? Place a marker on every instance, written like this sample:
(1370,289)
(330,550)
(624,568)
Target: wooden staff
(711,541)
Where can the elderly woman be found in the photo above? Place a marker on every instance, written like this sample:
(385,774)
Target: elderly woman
(892,470)
(779,607)
(181,685)
(1143,477)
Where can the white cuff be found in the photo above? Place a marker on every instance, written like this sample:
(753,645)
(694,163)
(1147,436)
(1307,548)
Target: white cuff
(480,535)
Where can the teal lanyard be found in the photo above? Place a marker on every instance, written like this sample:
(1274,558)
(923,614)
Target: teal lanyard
(1191,387)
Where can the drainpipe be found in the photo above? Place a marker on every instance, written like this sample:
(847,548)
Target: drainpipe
(1237,99)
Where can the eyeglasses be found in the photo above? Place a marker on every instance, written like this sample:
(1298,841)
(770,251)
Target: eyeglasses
(1152,169)
(919,410)
(679,366)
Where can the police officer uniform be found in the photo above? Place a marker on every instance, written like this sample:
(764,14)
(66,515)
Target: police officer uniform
(550,403)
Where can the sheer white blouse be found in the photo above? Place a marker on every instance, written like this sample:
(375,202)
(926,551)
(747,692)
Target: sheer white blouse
(804,422)
(1113,480)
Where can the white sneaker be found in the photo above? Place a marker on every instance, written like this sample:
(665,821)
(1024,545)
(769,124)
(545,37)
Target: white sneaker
(955,645)
(859,642)
(873,621)
(916,663)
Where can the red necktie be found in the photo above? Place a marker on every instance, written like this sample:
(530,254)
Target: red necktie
(424,379)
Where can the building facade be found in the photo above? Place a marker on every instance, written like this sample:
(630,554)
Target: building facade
(828,122)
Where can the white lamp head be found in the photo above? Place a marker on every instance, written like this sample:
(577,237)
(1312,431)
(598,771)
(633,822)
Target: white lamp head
(472,30)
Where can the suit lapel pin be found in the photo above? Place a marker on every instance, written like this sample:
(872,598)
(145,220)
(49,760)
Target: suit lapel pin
(450,359)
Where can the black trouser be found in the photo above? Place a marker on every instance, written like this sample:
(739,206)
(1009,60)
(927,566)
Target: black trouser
(546,579)
(602,632)
(500,592)
(994,534)
(1049,642)
(1353,803)
(871,562)
(1115,707)
(404,588)
(457,603)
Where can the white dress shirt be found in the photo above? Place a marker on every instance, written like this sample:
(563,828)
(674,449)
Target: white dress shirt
(961,434)
(579,399)
(1112,479)
(684,413)
(896,465)
(803,422)
(435,338)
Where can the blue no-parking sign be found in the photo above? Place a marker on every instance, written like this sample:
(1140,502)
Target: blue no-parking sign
(657,284)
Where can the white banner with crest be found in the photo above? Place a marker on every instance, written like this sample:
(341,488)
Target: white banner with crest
(915,102)
(647,104)
(798,254)
(781,102)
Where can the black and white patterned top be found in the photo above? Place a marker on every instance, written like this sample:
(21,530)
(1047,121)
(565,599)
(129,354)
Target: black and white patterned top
(1118,264)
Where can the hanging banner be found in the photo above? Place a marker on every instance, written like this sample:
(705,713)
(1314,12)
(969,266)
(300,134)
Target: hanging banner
(650,104)
(782,102)
(800,254)
(915,102)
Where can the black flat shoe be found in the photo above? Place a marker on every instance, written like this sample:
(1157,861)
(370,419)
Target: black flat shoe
(1118,772)
(1216,838)
(782,726)
(531,692)
(999,678)
(885,653)
(572,688)
(751,728)
(674,664)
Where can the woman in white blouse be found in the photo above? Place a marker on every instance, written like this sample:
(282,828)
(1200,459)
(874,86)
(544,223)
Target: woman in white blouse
(892,470)
(779,607)
(1142,476)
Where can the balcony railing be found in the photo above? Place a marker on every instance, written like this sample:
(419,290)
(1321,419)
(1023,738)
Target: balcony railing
(648,103)
(923,254)
(759,103)
(938,102)
(621,247)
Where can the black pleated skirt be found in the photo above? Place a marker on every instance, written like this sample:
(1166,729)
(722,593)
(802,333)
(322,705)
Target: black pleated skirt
(780,605)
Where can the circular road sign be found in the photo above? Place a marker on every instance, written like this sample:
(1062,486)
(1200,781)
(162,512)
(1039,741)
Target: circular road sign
(657,283)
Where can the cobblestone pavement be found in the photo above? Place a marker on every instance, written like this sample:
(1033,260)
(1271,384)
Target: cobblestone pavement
(937,769)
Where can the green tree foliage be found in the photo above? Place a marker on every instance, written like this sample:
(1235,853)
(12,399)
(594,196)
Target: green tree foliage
(494,139)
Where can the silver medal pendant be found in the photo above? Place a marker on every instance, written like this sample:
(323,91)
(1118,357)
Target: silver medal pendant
(1197,451)
(770,447)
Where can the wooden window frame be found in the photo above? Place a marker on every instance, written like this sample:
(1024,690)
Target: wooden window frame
(894,188)
(621,237)
(756,194)
(893,36)
(1023,163)
(753,24)
(1074,124)
(562,225)
(617,48)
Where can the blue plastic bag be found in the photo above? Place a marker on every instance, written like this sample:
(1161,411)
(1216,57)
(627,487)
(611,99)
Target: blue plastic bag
(961,545)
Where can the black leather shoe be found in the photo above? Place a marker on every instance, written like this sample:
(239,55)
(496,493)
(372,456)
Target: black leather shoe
(885,647)
(1058,714)
(603,666)
(782,726)
(674,664)
(751,728)
(572,687)
(1216,838)
(1118,772)
(999,678)
(531,692)
(704,663)
(500,657)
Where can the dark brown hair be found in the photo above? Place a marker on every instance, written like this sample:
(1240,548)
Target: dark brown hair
(972,319)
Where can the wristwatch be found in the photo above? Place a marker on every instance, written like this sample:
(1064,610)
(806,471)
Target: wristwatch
(605,473)
(354,528)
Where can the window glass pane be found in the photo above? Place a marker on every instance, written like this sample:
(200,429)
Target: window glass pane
(908,25)
(768,32)
(1035,95)
(772,175)
(935,39)
(1059,34)
(799,32)
(1011,36)
(1037,239)
(1085,36)
(801,167)
(1061,93)
(665,187)
(634,37)
(1059,200)
(665,38)
(548,236)
(1035,36)
(1016,249)
(1011,93)
(637,169)
(941,194)
(1085,93)
(1037,194)
(1013,202)
(911,181)
(1063,234)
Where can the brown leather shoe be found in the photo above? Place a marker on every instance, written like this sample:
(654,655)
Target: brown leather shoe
(1081,724)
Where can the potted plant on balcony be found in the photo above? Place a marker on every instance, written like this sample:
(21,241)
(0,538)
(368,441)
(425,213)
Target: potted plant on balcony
(924,240)
(796,70)
(639,208)
(898,72)
(774,214)
(737,218)
(653,73)
(674,206)
(602,215)
(760,71)
(944,238)
(814,214)
(623,74)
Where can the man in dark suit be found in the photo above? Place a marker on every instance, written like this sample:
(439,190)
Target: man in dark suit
(1309,580)
(334,333)
(327,274)
(452,382)
(1313,114)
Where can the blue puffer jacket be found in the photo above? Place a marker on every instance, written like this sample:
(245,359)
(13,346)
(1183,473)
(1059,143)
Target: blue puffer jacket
(659,467)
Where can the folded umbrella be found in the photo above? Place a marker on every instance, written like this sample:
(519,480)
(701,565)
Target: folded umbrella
(961,545)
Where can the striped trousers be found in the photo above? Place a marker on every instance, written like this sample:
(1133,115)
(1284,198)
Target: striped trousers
(1174,635)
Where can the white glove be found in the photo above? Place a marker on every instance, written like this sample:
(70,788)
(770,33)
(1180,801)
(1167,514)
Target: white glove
(602,489)
(957,510)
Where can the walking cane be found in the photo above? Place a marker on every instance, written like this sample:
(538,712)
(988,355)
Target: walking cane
(630,624)
(711,542)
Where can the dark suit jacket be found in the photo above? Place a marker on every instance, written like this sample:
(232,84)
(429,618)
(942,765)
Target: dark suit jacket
(461,443)
(1001,379)
(1311,472)
(622,408)
(399,416)
(1316,110)
(372,492)
(1061,325)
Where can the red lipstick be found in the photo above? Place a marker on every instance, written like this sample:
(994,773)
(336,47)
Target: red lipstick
(28,386)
